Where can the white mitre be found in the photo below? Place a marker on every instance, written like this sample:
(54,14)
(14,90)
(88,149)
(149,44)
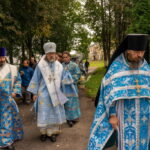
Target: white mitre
(49,47)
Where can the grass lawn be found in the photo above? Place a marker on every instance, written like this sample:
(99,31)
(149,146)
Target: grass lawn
(96,64)
(93,83)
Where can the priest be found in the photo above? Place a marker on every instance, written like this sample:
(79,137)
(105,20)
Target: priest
(10,122)
(124,100)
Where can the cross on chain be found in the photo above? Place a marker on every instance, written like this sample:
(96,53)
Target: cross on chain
(50,78)
(138,87)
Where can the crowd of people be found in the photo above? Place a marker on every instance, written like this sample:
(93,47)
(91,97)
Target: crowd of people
(122,104)
(51,84)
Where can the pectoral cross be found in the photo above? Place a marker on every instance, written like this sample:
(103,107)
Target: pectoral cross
(138,87)
(50,78)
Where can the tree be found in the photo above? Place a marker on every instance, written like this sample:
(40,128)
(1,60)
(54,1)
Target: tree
(32,16)
(9,30)
(109,20)
(100,20)
(140,20)
(140,17)
(65,29)
(122,14)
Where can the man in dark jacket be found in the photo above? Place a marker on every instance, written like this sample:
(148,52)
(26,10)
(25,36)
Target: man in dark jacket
(26,75)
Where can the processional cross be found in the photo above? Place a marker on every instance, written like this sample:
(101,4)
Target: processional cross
(138,87)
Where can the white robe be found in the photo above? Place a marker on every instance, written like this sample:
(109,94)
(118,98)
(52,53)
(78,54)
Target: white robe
(48,112)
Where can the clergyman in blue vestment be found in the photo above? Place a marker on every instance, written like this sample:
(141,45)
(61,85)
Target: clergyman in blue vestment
(49,100)
(72,107)
(10,122)
(124,100)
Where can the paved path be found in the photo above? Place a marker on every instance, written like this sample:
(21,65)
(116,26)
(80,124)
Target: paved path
(75,138)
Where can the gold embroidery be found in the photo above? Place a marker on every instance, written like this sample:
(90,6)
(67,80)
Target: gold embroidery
(9,118)
(10,99)
(5,114)
(39,93)
(33,85)
(2,85)
(41,102)
(4,139)
(6,124)
(138,87)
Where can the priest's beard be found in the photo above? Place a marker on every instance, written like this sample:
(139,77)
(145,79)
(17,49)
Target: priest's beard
(50,60)
(134,64)
(2,63)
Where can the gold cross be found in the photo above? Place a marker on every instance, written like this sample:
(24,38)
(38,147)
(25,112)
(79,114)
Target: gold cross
(50,78)
(138,87)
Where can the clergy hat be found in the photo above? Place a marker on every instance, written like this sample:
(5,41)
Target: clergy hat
(49,47)
(136,42)
(2,51)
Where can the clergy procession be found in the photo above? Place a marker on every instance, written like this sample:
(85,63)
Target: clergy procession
(74,74)
(122,117)
(54,90)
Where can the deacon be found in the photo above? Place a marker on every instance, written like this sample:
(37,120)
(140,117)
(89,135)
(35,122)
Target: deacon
(72,107)
(10,122)
(124,100)
(49,100)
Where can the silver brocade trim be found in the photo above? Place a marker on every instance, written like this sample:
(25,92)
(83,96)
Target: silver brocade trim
(137,104)
(131,97)
(97,123)
(105,140)
(149,124)
(125,73)
(120,108)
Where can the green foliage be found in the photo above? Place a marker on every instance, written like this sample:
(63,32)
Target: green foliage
(26,25)
(109,19)
(141,15)
(69,32)
(82,41)
(8,25)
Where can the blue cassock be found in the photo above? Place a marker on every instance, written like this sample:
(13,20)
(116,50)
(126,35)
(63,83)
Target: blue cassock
(11,128)
(47,114)
(124,92)
(72,107)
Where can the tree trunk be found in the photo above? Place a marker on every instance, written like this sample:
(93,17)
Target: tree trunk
(29,45)
(41,45)
(103,33)
(23,52)
(11,55)
(109,31)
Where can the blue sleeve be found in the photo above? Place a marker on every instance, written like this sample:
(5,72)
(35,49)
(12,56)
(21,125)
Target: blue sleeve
(17,85)
(35,81)
(76,73)
(112,110)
